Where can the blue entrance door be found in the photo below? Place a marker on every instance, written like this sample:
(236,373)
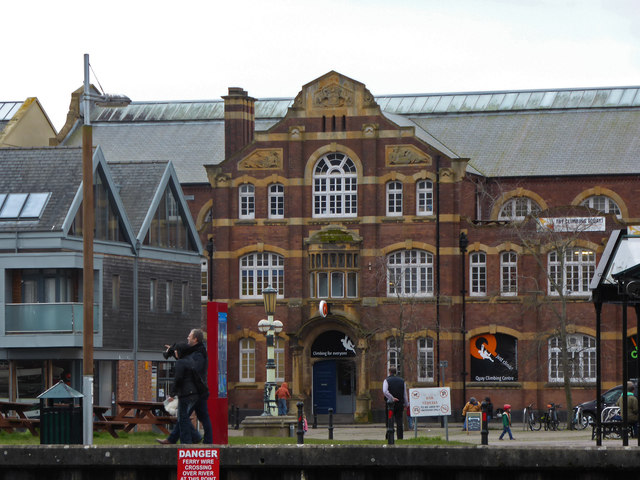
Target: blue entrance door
(324,386)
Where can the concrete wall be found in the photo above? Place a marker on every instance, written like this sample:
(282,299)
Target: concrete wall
(319,462)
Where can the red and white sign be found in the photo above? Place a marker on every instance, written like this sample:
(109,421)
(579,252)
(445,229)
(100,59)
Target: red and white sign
(198,464)
(324,308)
(429,402)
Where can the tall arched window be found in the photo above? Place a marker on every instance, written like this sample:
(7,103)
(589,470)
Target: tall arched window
(518,208)
(478,273)
(603,204)
(247,201)
(581,351)
(258,271)
(247,370)
(508,273)
(335,187)
(425,359)
(393,354)
(424,197)
(571,273)
(410,273)
(394,199)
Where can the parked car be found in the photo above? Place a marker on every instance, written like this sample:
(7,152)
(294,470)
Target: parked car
(609,399)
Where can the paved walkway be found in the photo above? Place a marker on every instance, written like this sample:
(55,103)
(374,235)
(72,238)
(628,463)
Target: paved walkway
(455,433)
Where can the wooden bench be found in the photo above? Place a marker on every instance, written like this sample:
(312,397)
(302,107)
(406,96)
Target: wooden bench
(10,423)
(108,426)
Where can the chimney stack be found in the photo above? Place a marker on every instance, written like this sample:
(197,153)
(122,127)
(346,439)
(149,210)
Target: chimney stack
(239,120)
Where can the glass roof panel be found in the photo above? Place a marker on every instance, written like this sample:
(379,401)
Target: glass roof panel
(35,205)
(626,256)
(13,205)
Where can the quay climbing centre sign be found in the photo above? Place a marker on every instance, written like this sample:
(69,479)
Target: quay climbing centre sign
(198,464)
(333,344)
(494,358)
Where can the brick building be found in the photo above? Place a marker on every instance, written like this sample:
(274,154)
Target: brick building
(343,201)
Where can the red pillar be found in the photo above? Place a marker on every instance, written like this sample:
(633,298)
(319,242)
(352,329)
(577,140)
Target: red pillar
(217,381)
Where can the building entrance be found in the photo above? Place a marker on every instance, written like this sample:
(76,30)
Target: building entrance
(334,386)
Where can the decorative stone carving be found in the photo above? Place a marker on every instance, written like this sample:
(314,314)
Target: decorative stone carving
(262,158)
(333,96)
(369,130)
(368,100)
(295,133)
(400,155)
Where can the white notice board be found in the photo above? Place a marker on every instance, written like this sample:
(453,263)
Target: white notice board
(430,402)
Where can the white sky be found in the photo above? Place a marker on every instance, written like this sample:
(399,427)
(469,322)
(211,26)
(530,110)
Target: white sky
(196,49)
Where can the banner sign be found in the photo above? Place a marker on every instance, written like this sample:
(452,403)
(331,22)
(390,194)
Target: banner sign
(430,402)
(572,224)
(494,358)
(333,344)
(198,464)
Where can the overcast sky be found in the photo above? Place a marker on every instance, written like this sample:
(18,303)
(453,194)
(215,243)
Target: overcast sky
(195,49)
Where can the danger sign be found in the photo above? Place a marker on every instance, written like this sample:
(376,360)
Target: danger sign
(198,464)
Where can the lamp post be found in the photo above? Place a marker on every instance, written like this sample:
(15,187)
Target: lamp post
(88,224)
(463,243)
(269,327)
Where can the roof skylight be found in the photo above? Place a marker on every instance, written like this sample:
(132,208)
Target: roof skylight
(22,206)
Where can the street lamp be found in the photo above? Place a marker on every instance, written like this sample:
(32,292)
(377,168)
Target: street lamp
(88,225)
(463,243)
(268,328)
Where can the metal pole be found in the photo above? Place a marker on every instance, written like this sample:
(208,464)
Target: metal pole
(463,243)
(270,394)
(331,424)
(300,432)
(625,371)
(390,433)
(443,364)
(484,433)
(88,221)
(598,306)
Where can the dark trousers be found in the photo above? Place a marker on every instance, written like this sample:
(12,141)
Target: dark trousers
(398,410)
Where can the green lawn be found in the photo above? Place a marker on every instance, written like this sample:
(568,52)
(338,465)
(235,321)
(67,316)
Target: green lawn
(149,438)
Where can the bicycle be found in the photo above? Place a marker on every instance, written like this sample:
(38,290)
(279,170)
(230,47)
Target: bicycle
(550,418)
(580,421)
(530,419)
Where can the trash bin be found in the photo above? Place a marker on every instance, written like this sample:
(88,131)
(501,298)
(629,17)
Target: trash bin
(61,415)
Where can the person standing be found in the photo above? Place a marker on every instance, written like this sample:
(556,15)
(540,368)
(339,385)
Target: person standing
(632,408)
(395,390)
(506,422)
(282,395)
(471,406)
(196,353)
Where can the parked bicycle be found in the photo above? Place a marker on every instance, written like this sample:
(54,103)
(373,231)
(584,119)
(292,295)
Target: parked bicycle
(530,419)
(550,418)
(580,421)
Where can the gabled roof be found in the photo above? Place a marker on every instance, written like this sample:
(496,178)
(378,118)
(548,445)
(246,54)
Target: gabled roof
(503,133)
(24,124)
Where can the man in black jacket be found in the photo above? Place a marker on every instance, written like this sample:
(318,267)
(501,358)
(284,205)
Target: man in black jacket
(395,391)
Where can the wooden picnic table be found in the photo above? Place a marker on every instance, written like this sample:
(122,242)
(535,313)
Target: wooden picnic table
(9,423)
(144,413)
(100,422)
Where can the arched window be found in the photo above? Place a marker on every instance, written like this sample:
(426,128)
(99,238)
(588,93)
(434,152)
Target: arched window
(258,271)
(571,273)
(410,273)
(424,197)
(603,204)
(394,199)
(393,354)
(425,359)
(247,202)
(581,351)
(247,357)
(478,273)
(518,208)
(335,187)
(276,200)
(508,273)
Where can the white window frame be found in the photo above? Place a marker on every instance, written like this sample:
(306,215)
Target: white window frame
(578,268)
(168,296)
(518,208)
(335,187)
(477,274)
(393,355)
(410,273)
(246,201)
(508,273)
(581,350)
(276,200)
(424,197)
(258,270)
(394,199)
(425,361)
(247,360)
(278,351)
(603,204)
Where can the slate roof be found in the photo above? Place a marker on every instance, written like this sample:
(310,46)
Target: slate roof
(503,133)
(39,170)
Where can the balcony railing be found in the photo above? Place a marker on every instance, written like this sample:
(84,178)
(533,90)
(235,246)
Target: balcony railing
(47,318)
